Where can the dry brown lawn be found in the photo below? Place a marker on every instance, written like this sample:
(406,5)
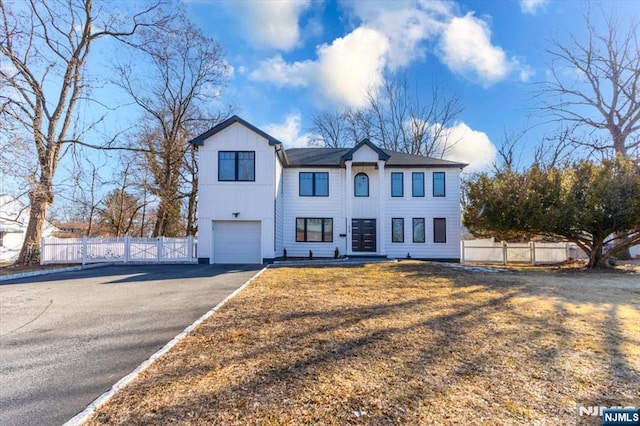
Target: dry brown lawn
(400,343)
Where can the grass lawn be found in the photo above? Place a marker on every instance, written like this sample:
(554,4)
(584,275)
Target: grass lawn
(400,343)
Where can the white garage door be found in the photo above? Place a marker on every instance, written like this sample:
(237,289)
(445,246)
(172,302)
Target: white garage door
(236,242)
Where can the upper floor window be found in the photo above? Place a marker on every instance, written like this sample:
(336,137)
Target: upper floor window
(361,185)
(237,166)
(314,184)
(1,239)
(438,184)
(417,184)
(397,185)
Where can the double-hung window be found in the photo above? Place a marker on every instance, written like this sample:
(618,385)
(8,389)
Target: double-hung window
(417,184)
(418,230)
(397,184)
(237,166)
(319,230)
(314,184)
(438,184)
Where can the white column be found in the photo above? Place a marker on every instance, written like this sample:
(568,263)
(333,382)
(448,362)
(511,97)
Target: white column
(382,221)
(348,198)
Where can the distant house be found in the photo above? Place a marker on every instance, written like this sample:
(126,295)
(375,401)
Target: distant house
(258,200)
(72,229)
(14,217)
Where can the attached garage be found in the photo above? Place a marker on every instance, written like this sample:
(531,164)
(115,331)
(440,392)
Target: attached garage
(237,242)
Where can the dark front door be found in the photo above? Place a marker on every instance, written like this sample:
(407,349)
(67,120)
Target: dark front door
(363,235)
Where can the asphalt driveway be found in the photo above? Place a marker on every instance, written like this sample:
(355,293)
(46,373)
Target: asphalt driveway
(68,337)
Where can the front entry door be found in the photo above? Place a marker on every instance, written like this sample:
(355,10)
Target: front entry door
(363,235)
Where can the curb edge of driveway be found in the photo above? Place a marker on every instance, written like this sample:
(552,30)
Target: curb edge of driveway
(51,271)
(85,414)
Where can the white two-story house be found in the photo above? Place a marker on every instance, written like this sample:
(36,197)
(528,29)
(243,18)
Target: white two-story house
(258,201)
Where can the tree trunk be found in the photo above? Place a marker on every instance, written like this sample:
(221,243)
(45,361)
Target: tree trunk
(191,216)
(168,218)
(41,198)
(625,253)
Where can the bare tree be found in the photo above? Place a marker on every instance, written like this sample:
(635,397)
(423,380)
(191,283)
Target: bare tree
(189,174)
(175,93)
(44,46)
(121,208)
(404,123)
(330,126)
(594,85)
(603,98)
(394,119)
(83,196)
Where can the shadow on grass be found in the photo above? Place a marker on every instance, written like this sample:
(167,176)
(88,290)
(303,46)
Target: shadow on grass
(468,344)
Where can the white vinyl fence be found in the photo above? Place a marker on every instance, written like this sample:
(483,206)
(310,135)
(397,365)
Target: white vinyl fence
(490,251)
(126,249)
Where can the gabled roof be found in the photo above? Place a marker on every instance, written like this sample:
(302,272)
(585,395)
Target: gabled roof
(381,154)
(199,140)
(328,157)
(334,157)
(400,159)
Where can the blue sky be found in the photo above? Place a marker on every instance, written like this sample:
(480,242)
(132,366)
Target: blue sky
(292,58)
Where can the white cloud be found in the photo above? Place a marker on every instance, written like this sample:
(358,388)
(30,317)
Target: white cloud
(351,65)
(405,24)
(532,6)
(471,146)
(277,71)
(465,47)
(342,72)
(389,36)
(289,132)
(272,24)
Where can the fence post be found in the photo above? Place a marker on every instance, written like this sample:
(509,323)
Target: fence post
(159,249)
(84,249)
(42,251)
(190,248)
(532,248)
(504,253)
(462,251)
(127,247)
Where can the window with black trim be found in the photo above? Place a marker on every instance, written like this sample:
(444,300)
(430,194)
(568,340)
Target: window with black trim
(397,184)
(237,166)
(418,230)
(316,230)
(417,184)
(314,184)
(361,185)
(397,230)
(439,230)
(438,184)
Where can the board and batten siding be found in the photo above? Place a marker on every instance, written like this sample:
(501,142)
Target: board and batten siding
(313,207)
(253,201)
(427,207)
(279,207)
